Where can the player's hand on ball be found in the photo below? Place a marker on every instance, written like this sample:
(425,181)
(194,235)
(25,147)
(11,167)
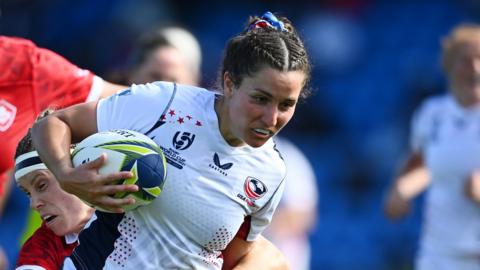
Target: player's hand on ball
(88,184)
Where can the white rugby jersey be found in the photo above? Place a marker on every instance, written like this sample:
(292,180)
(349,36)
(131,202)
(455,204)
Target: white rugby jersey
(211,187)
(448,136)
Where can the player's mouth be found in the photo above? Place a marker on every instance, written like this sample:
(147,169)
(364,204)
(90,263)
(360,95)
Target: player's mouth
(49,219)
(263,133)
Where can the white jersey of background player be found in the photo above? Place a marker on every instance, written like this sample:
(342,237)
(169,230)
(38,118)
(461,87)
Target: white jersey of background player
(211,187)
(446,159)
(448,136)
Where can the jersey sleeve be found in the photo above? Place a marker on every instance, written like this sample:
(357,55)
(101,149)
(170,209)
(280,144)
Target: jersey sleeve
(43,250)
(136,108)
(254,225)
(421,124)
(59,83)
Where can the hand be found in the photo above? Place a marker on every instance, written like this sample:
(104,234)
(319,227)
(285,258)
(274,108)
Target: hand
(3,260)
(396,206)
(472,187)
(85,182)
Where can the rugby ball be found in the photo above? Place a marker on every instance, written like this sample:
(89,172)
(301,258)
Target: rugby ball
(126,150)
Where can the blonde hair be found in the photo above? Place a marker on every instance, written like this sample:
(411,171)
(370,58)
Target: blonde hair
(459,35)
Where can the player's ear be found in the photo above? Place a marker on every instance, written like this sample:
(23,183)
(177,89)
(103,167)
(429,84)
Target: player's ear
(227,85)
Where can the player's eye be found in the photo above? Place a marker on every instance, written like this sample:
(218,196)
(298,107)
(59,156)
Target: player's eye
(260,99)
(41,186)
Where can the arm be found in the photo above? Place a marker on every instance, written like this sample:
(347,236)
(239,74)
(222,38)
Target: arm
(261,253)
(52,137)
(472,187)
(109,89)
(413,179)
(3,260)
(291,222)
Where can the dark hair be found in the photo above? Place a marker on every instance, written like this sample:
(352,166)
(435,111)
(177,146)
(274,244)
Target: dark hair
(146,45)
(26,145)
(252,49)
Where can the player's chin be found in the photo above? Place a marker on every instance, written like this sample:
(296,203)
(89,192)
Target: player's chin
(58,227)
(256,142)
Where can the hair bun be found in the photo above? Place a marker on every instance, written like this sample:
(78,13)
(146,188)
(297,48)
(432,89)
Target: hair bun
(267,21)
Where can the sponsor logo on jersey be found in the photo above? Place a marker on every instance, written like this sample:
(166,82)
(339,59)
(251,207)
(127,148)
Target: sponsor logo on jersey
(183,141)
(254,189)
(217,166)
(7,114)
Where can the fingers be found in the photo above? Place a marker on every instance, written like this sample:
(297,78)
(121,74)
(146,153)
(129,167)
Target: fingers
(112,178)
(96,163)
(114,189)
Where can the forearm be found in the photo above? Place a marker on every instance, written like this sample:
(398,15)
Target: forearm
(262,255)
(52,138)
(109,89)
(413,179)
(410,184)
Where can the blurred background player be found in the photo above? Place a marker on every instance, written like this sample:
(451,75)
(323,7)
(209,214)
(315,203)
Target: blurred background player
(445,158)
(168,53)
(296,214)
(174,54)
(31,80)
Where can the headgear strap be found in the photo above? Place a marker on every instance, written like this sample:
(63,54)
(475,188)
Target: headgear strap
(27,163)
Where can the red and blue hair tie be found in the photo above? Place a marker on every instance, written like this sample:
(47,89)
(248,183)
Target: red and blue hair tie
(268,20)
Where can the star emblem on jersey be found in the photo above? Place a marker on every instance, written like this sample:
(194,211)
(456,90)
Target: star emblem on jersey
(7,114)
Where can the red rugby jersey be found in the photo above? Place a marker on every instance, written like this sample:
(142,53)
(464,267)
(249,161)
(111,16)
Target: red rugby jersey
(31,80)
(44,249)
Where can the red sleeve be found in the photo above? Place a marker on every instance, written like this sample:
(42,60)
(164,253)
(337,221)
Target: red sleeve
(44,249)
(57,82)
(31,80)
(3,183)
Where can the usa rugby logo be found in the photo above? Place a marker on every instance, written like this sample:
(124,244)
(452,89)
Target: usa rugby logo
(7,114)
(254,188)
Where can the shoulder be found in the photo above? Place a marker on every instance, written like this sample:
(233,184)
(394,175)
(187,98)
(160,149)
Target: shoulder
(16,59)
(165,88)
(269,154)
(10,43)
(433,106)
(286,147)
(39,248)
(435,103)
